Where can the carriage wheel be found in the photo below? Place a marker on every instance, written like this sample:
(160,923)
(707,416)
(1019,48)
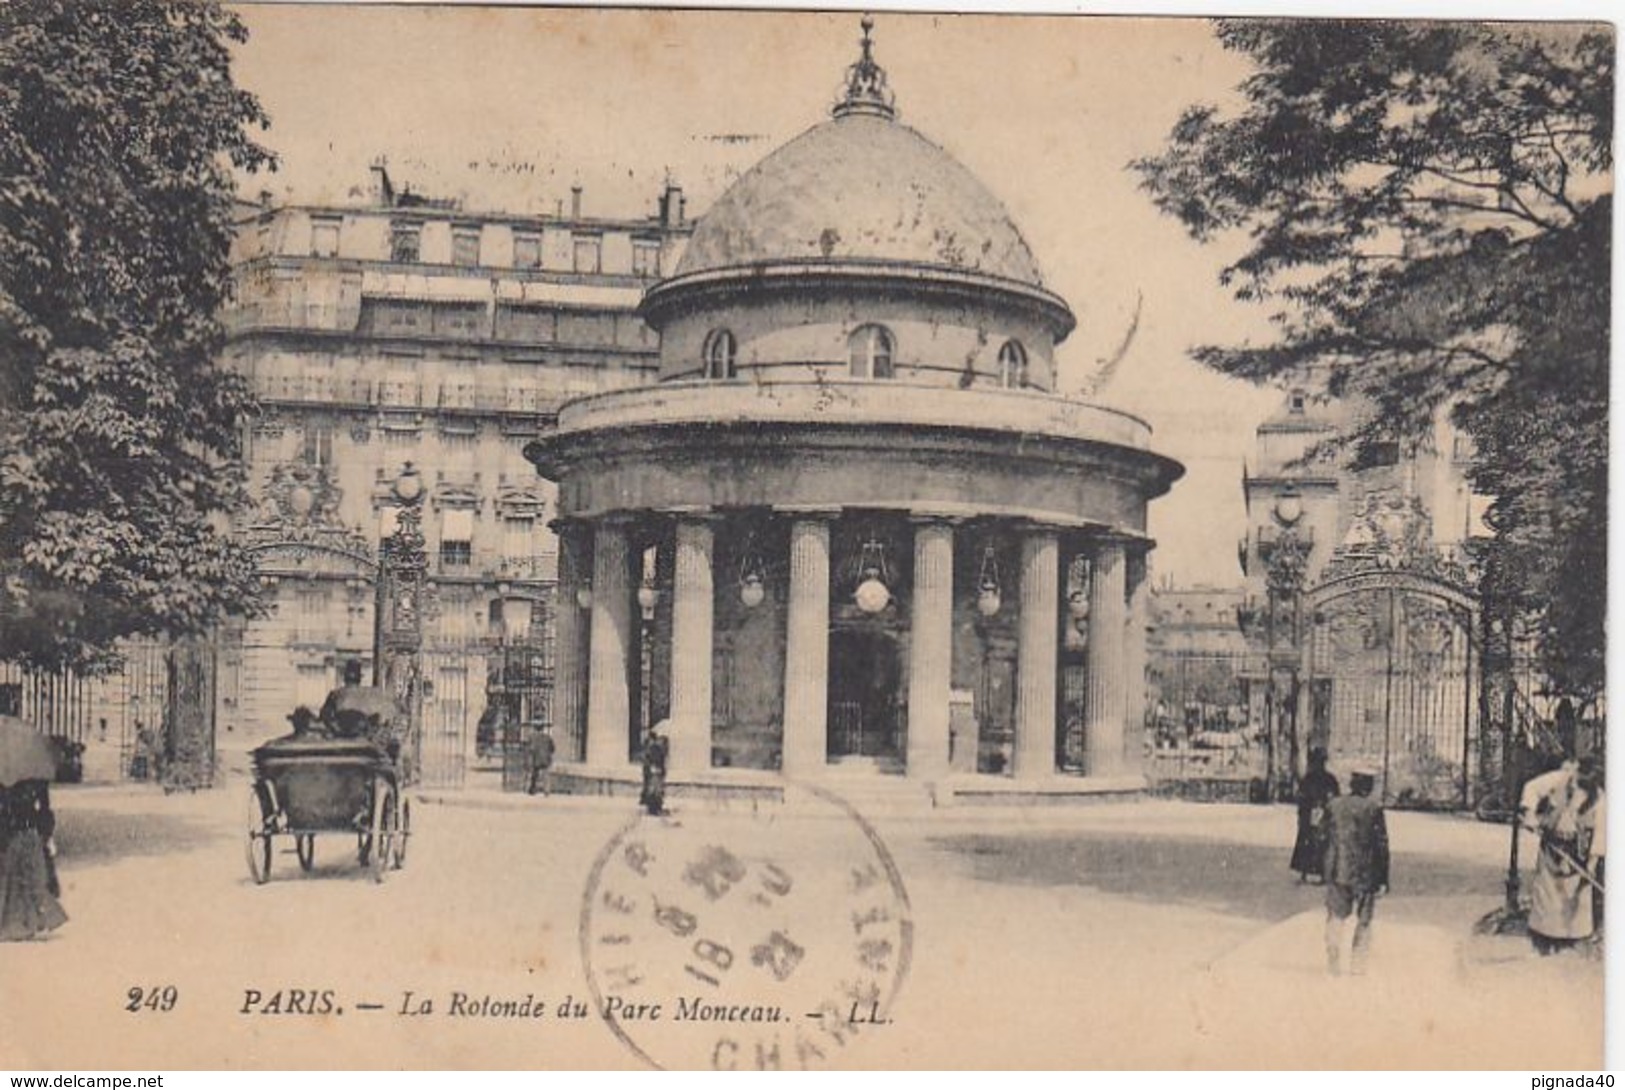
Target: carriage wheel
(304,845)
(384,818)
(259,840)
(404,834)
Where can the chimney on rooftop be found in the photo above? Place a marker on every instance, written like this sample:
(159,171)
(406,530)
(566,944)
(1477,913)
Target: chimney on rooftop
(672,205)
(383,190)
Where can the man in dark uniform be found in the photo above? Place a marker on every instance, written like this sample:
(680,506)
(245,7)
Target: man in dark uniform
(1356,868)
(541,757)
(354,710)
(345,711)
(656,750)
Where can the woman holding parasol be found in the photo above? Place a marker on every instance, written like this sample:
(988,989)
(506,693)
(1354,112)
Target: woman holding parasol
(28,882)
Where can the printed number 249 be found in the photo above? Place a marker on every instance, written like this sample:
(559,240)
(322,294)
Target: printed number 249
(151,999)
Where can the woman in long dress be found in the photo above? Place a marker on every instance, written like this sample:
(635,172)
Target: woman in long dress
(1317,788)
(28,882)
(1567,809)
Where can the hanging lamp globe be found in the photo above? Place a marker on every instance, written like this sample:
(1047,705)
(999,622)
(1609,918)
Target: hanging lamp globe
(872,595)
(751,591)
(584,597)
(988,600)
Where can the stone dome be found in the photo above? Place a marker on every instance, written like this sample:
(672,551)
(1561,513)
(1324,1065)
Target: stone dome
(861,188)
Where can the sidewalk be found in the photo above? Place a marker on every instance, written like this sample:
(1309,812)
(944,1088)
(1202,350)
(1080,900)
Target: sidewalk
(1429,999)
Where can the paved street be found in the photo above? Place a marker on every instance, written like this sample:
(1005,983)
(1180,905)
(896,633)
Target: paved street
(1151,934)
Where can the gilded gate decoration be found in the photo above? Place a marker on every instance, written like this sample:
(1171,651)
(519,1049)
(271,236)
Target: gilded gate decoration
(1392,660)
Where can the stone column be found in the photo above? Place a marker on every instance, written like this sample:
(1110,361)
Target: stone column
(568,628)
(1035,656)
(1106,700)
(691,647)
(806,647)
(609,697)
(930,648)
(1139,619)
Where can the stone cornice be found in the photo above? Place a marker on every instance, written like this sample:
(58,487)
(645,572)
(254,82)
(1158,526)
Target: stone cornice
(694,291)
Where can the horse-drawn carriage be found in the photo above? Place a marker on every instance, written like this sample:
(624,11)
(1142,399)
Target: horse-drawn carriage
(313,783)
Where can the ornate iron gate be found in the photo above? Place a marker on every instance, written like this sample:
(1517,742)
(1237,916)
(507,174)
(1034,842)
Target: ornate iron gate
(153,717)
(1393,674)
(523,682)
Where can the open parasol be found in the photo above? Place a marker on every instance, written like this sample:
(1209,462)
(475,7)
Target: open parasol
(25,754)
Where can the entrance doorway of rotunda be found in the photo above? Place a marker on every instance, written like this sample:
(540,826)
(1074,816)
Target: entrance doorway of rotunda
(865,701)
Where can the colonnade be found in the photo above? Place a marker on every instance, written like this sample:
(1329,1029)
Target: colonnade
(593,725)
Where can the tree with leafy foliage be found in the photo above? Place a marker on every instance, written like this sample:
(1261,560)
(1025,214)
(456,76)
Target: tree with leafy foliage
(1426,210)
(119,436)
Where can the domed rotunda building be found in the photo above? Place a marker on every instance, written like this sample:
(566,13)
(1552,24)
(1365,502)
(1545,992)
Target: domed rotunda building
(853,525)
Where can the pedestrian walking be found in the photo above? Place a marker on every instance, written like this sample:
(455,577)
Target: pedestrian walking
(541,758)
(656,750)
(1317,788)
(1355,868)
(1567,809)
(29,889)
(491,730)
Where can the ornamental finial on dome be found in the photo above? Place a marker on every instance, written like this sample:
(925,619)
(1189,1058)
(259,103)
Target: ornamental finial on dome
(866,90)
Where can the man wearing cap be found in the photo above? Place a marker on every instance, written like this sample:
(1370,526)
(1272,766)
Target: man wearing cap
(656,751)
(1356,868)
(1566,809)
(541,758)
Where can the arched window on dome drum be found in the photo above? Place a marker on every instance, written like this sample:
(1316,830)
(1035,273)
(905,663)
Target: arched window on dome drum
(872,349)
(1012,365)
(720,355)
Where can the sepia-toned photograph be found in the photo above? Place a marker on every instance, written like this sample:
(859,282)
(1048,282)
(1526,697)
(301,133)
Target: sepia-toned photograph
(572,538)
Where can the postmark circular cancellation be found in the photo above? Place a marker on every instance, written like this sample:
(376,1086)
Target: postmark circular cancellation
(771,940)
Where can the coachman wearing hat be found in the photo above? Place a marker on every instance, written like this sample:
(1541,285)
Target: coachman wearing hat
(1567,810)
(1356,868)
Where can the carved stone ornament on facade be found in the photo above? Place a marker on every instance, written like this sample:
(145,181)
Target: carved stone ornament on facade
(1392,531)
(455,494)
(515,502)
(299,514)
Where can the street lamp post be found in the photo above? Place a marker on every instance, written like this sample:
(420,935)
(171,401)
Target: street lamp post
(1285,591)
(1279,626)
(398,611)
(648,599)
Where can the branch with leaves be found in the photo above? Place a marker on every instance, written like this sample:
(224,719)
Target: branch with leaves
(1428,208)
(119,463)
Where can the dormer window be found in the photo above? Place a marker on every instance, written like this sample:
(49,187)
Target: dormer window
(720,355)
(404,240)
(324,237)
(1012,365)
(465,246)
(872,349)
(1297,402)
